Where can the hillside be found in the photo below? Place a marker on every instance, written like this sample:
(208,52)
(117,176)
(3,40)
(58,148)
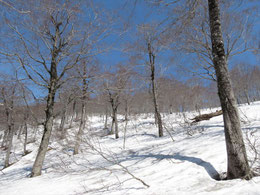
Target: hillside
(180,163)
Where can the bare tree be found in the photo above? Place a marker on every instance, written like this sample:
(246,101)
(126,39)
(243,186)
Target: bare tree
(114,85)
(238,166)
(86,74)
(54,49)
(195,39)
(152,44)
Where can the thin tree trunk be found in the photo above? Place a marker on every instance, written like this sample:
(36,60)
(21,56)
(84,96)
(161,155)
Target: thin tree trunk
(116,124)
(158,118)
(126,110)
(126,123)
(73,113)
(9,145)
(83,112)
(237,158)
(247,97)
(81,128)
(35,130)
(25,138)
(62,123)
(9,139)
(25,131)
(106,116)
(20,131)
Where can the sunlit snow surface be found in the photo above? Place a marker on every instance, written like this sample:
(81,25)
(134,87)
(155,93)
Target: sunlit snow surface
(185,166)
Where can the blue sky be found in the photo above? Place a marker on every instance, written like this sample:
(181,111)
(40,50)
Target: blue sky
(135,14)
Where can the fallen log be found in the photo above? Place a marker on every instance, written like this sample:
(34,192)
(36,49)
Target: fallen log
(206,116)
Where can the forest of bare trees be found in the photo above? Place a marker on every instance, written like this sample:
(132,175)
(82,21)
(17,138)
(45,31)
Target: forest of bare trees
(62,61)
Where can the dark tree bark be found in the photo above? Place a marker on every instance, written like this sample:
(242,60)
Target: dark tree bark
(114,105)
(116,123)
(237,158)
(158,118)
(203,117)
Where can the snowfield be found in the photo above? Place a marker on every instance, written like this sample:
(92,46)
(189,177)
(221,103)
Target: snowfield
(177,163)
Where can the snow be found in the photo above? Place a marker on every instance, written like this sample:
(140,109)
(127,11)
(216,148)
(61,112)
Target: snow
(187,165)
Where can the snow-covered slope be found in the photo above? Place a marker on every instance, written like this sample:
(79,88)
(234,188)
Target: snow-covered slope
(187,165)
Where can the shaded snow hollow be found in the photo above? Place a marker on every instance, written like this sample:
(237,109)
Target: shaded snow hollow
(186,166)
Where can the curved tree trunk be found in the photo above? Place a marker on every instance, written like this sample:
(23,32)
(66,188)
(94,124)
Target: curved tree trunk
(237,158)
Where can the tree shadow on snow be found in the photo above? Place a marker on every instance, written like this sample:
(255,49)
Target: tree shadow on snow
(206,165)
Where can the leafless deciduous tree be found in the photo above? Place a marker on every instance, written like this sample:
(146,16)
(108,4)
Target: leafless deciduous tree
(195,38)
(86,74)
(238,166)
(114,85)
(54,48)
(150,43)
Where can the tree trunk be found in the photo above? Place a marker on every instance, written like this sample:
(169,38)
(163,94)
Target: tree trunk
(20,131)
(25,138)
(4,141)
(126,110)
(237,158)
(83,112)
(158,118)
(116,124)
(9,142)
(106,116)
(202,117)
(81,128)
(126,123)
(62,123)
(112,125)
(9,106)
(73,113)
(247,97)
(38,163)
(25,131)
